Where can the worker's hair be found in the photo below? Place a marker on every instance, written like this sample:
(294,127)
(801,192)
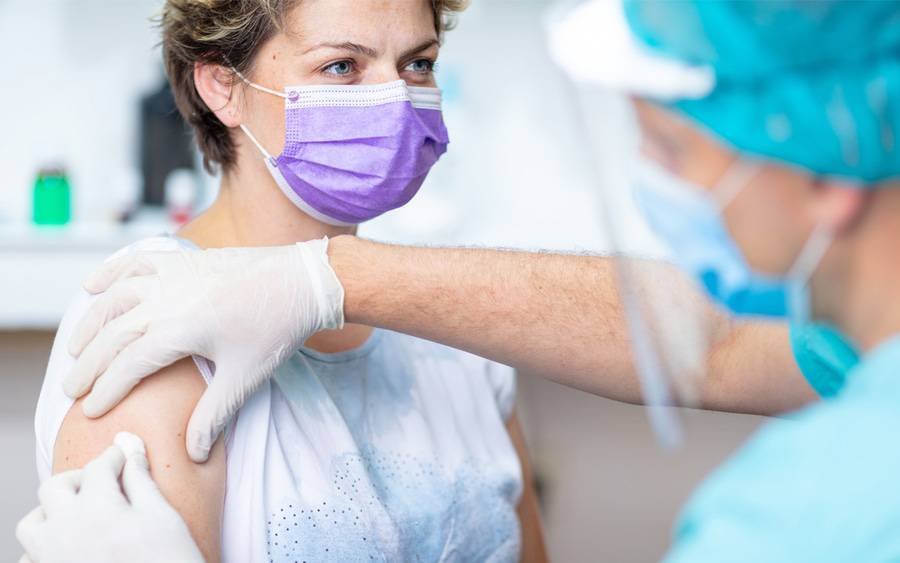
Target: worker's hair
(230,33)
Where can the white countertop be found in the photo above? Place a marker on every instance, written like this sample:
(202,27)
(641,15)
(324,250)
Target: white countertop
(41,268)
(78,237)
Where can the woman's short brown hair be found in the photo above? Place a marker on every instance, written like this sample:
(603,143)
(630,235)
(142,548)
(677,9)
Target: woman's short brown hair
(229,33)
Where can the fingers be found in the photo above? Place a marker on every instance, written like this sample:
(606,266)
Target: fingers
(98,355)
(144,356)
(59,490)
(27,532)
(139,487)
(213,411)
(132,447)
(101,476)
(131,265)
(120,299)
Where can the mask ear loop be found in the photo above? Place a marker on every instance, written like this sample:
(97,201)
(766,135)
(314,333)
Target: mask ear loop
(801,272)
(262,149)
(244,128)
(813,252)
(733,182)
(257,86)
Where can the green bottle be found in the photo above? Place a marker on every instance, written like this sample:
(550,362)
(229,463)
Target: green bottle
(52,197)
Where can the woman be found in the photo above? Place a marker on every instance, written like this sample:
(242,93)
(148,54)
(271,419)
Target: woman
(368,445)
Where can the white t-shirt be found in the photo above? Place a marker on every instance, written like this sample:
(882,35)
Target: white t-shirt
(394,451)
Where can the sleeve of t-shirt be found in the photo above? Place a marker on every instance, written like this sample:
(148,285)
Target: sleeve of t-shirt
(53,404)
(824,356)
(503,382)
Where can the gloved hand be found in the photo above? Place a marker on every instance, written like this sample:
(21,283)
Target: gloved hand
(85,515)
(245,309)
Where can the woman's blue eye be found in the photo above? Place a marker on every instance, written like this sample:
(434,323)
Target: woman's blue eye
(421,66)
(340,68)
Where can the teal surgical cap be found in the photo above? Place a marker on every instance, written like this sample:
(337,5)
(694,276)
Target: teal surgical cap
(814,84)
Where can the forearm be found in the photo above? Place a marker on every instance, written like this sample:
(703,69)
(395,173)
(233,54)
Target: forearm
(554,315)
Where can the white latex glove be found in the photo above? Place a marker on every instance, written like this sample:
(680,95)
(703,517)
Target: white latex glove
(245,309)
(87,516)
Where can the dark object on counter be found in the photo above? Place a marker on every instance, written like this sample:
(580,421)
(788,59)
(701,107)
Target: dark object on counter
(166,143)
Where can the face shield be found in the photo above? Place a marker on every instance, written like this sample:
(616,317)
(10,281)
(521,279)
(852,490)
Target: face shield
(672,325)
(780,82)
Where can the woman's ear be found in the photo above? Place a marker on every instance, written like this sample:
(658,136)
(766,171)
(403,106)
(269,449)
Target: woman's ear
(839,203)
(216,87)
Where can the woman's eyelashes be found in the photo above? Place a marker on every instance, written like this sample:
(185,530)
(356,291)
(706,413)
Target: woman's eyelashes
(419,72)
(421,66)
(347,69)
(339,69)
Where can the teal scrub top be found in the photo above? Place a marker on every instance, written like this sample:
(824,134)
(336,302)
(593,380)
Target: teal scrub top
(819,486)
(824,356)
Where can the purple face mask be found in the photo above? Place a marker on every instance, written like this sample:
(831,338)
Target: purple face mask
(352,153)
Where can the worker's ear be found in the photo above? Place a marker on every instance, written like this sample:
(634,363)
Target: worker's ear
(838,204)
(218,89)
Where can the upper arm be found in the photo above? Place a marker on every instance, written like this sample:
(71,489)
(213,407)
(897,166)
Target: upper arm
(158,411)
(533,548)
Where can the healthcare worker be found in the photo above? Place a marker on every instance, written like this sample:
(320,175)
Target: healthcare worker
(774,176)
(771,179)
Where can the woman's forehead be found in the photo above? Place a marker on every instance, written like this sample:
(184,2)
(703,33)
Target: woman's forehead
(378,24)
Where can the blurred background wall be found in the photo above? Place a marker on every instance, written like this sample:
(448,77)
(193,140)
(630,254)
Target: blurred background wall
(74,77)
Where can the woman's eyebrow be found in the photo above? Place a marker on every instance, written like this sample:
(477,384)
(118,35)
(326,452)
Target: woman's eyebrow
(345,46)
(368,51)
(424,45)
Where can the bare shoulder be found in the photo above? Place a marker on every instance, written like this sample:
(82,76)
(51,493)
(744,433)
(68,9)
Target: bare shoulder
(158,411)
